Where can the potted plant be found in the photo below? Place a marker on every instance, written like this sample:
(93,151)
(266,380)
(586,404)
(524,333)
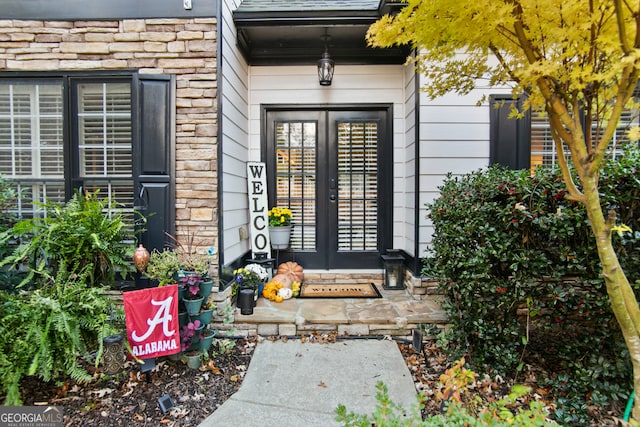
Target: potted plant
(189,260)
(207,339)
(190,335)
(206,286)
(193,358)
(189,343)
(280,227)
(245,284)
(261,272)
(192,299)
(244,278)
(162,266)
(206,313)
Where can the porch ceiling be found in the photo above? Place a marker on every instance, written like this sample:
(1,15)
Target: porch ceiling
(279,32)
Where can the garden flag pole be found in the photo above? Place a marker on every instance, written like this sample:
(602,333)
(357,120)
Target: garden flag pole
(151,317)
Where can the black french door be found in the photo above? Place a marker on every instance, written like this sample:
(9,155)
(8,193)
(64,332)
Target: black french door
(333,169)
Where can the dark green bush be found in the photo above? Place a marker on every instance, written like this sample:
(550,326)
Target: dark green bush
(520,270)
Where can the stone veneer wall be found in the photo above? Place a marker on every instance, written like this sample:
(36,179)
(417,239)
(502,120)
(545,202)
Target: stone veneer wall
(186,48)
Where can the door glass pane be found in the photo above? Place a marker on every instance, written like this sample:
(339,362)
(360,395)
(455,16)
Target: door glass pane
(296,175)
(357,186)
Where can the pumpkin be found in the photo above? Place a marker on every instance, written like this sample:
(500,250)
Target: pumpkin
(283,279)
(285,293)
(292,269)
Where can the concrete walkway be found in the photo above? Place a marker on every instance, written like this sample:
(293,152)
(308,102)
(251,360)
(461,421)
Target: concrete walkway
(296,384)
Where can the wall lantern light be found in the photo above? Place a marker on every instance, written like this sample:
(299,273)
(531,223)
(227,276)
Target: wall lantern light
(325,66)
(393,270)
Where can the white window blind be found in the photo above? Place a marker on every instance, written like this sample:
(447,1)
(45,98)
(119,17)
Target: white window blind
(32,147)
(357,186)
(104,122)
(296,176)
(31,142)
(543,151)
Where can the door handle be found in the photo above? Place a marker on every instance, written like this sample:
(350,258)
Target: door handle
(332,184)
(332,197)
(142,198)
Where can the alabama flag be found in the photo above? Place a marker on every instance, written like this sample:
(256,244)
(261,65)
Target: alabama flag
(152,321)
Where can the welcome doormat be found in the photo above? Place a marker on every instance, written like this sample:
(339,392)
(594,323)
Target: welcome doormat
(339,290)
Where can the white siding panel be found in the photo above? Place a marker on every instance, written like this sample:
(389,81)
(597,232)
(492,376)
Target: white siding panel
(456,149)
(455,114)
(455,131)
(430,183)
(454,138)
(234,78)
(455,166)
(405,191)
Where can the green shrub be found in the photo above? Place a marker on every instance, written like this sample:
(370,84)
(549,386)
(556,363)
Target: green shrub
(85,231)
(498,413)
(47,332)
(521,274)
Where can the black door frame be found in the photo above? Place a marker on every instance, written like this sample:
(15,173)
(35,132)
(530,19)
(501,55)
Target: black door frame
(385,178)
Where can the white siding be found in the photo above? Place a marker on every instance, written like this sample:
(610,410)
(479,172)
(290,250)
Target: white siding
(234,139)
(404,235)
(454,138)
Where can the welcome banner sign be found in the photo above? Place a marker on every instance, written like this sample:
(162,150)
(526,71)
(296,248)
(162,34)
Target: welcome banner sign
(258,207)
(151,317)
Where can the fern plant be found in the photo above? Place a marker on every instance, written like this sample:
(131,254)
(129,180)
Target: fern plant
(85,231)
(48,332)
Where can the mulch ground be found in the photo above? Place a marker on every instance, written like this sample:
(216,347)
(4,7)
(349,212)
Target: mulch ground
(130,398)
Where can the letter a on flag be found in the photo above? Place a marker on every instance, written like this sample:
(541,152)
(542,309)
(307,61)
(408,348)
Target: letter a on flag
(151,317)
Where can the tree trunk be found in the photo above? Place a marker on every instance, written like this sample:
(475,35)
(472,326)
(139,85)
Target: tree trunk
(623,300)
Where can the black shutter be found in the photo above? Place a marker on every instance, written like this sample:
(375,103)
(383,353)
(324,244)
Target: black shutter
(153,156)
(510,144)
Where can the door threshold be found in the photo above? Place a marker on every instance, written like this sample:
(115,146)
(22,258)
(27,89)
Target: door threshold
(351,271)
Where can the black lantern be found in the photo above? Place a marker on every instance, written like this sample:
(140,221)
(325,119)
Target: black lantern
(393,270)
(325,66)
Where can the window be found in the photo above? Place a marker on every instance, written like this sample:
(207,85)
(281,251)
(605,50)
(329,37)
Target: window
(527,143)
(31,141)
(45,163)
(543,152)
(112,132)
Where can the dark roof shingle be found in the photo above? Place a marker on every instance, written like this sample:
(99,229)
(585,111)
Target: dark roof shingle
(307,5)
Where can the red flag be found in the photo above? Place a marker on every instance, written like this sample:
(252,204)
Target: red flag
(152,321)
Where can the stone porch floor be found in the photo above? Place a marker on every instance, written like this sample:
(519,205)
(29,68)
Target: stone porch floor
(396,314)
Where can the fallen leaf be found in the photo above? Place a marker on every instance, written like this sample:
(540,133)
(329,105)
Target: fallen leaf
(138,417)
(234,378)
(62,391)
(211,366)
(322,384)
(102,392)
